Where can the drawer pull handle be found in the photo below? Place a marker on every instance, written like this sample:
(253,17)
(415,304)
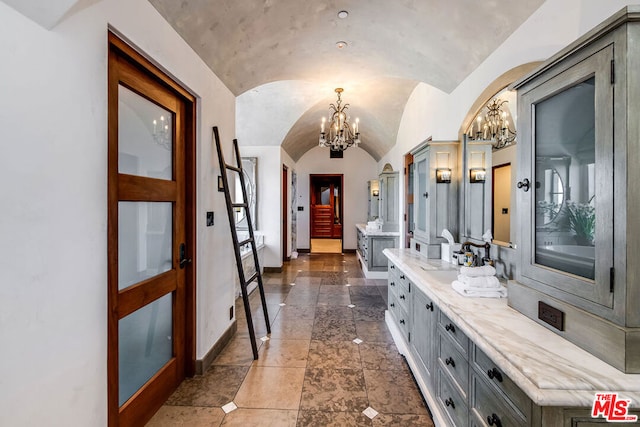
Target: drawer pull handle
(393,267)
(494,373)
(450,328)
(402,276)
(450,361)
(392,305)
(429,306)
(449,402)
(402,296)
(493,420)
(402,321)
(392,283)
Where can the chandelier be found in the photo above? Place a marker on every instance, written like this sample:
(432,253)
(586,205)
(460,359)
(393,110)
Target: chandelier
(162,134)
(342,135)
(494,126)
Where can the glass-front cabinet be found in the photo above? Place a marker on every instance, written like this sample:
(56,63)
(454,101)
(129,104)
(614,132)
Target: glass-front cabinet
(578,194)
(566,230)
(435,206)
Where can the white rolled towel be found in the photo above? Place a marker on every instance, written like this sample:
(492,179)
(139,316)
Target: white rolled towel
(485,270)
(480,281)
(467,291)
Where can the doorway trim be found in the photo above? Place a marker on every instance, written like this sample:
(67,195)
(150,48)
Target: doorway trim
(285,213)
(312,177)
(118,48)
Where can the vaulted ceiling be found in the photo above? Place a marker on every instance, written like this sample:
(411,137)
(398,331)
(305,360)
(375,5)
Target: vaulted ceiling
(280,57)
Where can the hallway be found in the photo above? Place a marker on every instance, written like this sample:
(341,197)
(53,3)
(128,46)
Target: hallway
(310,372)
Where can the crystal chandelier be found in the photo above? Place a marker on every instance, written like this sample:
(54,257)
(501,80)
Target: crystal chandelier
(342,135)
(161,133)
(494,126)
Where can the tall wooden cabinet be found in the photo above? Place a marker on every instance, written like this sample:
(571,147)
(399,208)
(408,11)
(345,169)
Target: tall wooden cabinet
(579,147)
(435,204)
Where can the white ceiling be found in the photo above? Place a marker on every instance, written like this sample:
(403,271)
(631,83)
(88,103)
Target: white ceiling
(267,50)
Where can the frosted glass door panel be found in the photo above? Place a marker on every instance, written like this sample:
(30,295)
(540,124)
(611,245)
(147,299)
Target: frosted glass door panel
(565,175)
(145,340)
(145,137)
(144,241)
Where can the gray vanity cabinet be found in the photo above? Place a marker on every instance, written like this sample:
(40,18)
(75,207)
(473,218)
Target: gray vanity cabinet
(578,154)
(389,202)
(435,204)
(425,314)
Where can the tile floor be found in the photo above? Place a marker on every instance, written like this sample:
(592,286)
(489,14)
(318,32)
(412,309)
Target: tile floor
(310,372)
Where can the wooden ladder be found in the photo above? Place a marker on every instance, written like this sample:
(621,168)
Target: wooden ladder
(231,206)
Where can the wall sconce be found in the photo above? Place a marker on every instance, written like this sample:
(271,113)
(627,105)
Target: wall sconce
(477,175)
(376,193)
(443,175)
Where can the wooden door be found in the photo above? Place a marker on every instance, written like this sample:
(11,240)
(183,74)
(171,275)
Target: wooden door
(326,206)
(150,239)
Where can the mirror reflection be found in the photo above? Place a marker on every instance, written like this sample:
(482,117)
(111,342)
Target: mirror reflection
(249,169)
(565,180)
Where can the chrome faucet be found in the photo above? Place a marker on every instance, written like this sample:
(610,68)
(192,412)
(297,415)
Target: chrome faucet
(486,260)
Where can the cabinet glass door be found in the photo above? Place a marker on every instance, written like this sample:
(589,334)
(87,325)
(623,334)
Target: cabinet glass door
(421,185)
(567,238)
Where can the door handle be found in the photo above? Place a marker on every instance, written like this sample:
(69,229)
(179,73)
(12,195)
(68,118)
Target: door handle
(524,185)
(183,256)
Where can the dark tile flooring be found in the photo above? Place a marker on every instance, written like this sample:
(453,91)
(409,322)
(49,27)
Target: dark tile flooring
(310,372)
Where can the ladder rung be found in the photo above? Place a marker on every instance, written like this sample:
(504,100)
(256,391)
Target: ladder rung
(233,168)
(244,242)
(239,205)
(252,278)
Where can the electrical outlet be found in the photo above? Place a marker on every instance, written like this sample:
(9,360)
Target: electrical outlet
(551,315)
(209,219)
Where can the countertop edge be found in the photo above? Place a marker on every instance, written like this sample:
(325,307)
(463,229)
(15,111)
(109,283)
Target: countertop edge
(409,261)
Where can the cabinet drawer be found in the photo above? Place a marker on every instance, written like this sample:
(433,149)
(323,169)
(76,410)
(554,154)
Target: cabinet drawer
(393,284)
(487,405)
(400,315)
(498,379)
(453,361)
(402,293)
(451,330)
(451,401)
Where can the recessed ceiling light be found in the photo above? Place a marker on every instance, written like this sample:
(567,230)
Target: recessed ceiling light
(343,14)
(341,44)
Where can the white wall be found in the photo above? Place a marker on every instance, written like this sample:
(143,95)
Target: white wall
(358,167)
(269,186)
(430,112)
(53,169)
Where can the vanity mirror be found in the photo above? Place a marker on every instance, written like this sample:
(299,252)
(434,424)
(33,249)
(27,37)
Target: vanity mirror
(489,152)
(249,168)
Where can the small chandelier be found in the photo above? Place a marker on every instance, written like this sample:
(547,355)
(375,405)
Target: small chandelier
(494,126)
(342,135)
(162,134)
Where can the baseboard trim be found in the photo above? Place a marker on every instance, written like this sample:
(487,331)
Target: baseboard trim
(304,251)
(348,251)
(203,364)
(273,269)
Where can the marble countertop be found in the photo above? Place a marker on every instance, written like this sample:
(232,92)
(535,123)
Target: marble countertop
(551,370)
(363,228)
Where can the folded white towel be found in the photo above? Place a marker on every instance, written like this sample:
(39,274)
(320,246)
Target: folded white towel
(480,282)
(485,270)
(467,291)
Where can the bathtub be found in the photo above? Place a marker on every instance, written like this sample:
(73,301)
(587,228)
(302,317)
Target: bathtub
(579,260)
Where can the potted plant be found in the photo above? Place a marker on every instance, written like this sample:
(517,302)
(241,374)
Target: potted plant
(582,222)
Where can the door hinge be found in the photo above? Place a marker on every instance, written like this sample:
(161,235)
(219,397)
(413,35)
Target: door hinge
(405,217)
(612,277)
(409,336)
(613,71)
